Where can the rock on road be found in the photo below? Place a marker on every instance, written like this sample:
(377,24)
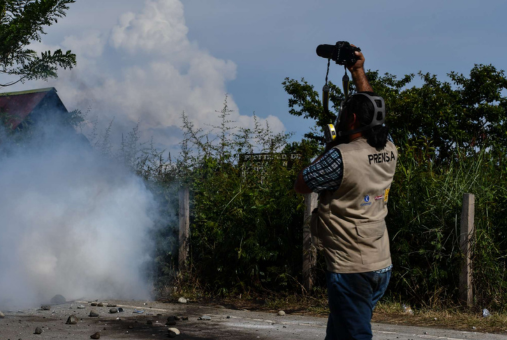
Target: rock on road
(147,320)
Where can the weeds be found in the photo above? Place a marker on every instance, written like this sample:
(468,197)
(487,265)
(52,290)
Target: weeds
(246,223)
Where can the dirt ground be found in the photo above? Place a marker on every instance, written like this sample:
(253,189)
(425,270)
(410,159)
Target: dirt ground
(223,324)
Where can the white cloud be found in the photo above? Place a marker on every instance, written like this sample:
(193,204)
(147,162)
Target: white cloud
(90,45)
(159,28)
(146,69)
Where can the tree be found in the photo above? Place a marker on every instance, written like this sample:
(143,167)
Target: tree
(22,22)
(468,113)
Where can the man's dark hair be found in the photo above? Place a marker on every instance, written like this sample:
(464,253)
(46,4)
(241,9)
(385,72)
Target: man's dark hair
(364,110)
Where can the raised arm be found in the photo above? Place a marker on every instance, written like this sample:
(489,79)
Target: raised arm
(358,74)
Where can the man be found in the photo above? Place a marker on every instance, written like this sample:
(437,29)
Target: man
(353,179)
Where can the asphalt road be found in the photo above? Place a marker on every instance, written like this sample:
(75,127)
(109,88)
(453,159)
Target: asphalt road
(224,324)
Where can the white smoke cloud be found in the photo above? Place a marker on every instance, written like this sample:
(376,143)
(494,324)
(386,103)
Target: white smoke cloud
(73,223)
(160,28)
(147,70)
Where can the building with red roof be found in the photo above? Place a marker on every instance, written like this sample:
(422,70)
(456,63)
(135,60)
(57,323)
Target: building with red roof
(30,106)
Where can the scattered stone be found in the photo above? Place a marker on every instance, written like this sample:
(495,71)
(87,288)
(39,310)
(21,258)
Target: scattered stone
(182,300)
(2,315)
(138,311)
(100,304)
(120,310)
(45,307)
(228,316)
(113,310)
(176,318)
(485,313)
(72,320)
(95,336)
(473,327)
(111,305)
(38,330)
(93,314)
(407,310)
(435,319)
(284,326)
(81,307)
(205,318)
(281,313)
(184,318)
(173,332)
(58,300)
(94,304)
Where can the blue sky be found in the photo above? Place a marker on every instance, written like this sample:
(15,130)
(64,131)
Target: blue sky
(270,40)
(185,55)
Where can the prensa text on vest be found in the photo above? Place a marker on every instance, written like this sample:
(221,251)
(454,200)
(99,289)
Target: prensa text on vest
(381,157)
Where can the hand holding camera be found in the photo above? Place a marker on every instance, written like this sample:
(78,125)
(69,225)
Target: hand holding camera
(344,53)
(359,64)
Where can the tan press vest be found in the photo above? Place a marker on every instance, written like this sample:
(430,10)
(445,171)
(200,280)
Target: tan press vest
(348,225)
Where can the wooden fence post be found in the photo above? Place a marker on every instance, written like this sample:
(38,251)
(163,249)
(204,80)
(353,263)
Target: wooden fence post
(184,217)
(309,251)
(466,236)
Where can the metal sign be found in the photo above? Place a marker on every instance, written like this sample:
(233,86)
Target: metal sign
(259,161)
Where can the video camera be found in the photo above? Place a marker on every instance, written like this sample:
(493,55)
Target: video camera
(344,54)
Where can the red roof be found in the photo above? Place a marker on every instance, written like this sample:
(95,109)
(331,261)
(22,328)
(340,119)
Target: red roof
(18,105)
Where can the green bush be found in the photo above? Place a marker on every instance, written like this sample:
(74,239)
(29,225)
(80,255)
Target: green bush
(246,229)
(424,224)
(246,224)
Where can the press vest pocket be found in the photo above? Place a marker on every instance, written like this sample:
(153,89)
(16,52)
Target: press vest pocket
(373,241)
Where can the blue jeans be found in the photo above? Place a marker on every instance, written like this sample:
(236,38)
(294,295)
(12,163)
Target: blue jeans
(352,298)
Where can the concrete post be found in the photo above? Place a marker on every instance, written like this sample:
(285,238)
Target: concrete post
(309,251)
(184,219)
(466,235)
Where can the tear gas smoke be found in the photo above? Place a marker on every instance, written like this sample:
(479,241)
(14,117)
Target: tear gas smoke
(71,222)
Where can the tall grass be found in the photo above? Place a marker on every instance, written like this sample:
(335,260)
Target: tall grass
(424,222)
(246,228)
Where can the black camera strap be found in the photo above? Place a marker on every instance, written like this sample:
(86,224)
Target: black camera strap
(325,91)
(345,83)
